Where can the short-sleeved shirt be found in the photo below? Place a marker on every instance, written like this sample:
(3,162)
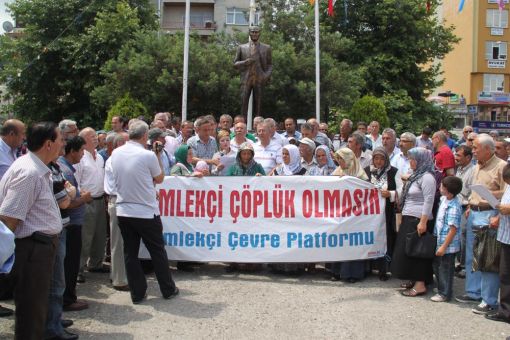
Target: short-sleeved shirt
(134,168)
(444,159)
(449,214)
(109,179)
(424,143)
(504,222)
(402,163)
(26,194)
(490,174)
(90,173)
(203,150)
(269,156)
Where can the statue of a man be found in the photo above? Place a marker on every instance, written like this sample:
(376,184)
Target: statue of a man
(254,61)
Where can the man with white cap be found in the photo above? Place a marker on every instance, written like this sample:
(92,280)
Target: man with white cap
(306,150)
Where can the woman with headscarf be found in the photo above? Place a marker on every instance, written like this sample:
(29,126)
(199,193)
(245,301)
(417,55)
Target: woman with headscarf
(351,271)
(183,156)
(388,180)
(417,201)
(245,165)
(325,165)
(291,165)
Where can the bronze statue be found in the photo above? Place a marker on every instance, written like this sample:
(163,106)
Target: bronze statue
(254,61)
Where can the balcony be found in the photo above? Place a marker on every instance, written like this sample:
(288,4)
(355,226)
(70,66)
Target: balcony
(201,18)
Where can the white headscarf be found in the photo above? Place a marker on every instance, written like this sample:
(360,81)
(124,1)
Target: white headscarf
(294,165)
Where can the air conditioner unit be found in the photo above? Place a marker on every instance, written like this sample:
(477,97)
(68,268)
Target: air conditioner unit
(502,57)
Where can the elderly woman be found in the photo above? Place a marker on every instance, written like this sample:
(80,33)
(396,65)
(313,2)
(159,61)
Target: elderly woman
(350,271)
(226,155)
(291,165)
(417,201)
(325,165)
(183,157)
(245,165)
(388,180)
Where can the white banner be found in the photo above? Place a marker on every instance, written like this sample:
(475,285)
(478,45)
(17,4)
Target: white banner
(272,219)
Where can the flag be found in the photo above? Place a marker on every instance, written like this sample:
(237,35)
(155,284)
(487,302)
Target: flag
(501,4)
(461,5)
(331,5)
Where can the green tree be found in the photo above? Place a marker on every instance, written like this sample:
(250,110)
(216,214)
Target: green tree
(125,107)
(51,69)
(369,108)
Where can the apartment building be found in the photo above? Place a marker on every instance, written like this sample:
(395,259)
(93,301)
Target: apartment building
(206,16)
(476,73)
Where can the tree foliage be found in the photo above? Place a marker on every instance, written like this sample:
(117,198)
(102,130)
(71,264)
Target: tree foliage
(125,107)
(369,108)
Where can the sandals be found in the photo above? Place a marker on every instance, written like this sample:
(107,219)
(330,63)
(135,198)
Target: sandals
(407,285)
(412,292)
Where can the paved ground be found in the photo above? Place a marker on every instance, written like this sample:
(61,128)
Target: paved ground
(213,304)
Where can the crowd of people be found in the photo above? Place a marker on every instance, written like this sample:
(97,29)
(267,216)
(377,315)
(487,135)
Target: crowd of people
(75,200)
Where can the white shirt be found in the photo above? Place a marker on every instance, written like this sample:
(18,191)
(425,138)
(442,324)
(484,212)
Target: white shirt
(109,179)
(279,139)
(7,157)
(134,168)
(365,159)
(376,142)
(393,157)
(90,174)
(235,147)
(402,163)
(269,157)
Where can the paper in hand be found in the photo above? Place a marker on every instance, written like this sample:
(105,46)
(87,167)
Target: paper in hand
(485,194)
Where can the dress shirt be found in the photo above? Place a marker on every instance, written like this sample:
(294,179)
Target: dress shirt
(76,214)
(109,179)
(134,168)
(490,175)
(6,249)
(203,150)
(296,136)
(234,146)
(279,139)
(26,194)
(310,165)
(402,163)
(393,156)
(7,157)
(424,143)
(376,142)
(365,158)
(90,174)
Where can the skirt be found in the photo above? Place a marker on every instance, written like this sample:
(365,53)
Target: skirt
(409,268)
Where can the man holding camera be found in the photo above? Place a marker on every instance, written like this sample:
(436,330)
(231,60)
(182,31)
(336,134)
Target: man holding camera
(136,170)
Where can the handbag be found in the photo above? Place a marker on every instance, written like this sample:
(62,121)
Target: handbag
(486,250)
(423,247)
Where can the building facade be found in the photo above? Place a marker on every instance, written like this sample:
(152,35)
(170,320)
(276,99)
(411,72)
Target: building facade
(476,73)
(206,16)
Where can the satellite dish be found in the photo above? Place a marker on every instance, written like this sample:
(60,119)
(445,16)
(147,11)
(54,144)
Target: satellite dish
(7,26)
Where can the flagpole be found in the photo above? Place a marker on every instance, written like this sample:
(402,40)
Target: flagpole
(185,64)
(317,65)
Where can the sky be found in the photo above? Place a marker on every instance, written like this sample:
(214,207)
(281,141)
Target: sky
(3,15)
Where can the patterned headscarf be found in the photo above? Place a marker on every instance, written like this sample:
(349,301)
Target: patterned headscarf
(424,164)
(378,173)
(330,163)
(353,165)
(294,165)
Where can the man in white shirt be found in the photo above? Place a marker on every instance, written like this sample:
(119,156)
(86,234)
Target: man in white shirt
(275,137)
(401,160)
(389,142)
(356,142)
(135,171)
(118,268)
(90,177)
(12,135)
(239,137)
(267,153)
(374,135)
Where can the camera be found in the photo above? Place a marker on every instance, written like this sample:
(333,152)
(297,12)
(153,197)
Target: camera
(159,147)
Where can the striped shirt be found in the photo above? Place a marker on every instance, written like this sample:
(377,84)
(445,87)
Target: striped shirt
(203,150)
(26,193)
(269,156)
(448,214)
(504,222)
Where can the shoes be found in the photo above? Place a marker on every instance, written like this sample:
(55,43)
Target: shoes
(497,317)
(438,298)
(173,294)
(412,292)
(383,277)
(124,288)
(138,301)
(467,299)
(76,306)
(458,268)
(80,278)
(65,336)
(461,274)
(185,267)
(103,269)
(66,323)
(407,285)
(483,308)
(4,312)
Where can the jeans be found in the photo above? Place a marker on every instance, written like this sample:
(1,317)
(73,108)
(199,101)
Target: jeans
(57,287)
(444,269)
(461,255)
(484,285)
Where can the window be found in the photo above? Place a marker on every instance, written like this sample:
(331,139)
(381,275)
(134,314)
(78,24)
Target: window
(240,16)
(493,82)
(497,18)
(495,50)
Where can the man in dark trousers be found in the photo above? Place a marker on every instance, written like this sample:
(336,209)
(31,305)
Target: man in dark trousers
(254,61)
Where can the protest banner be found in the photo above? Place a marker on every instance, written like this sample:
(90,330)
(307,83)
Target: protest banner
(271,219)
